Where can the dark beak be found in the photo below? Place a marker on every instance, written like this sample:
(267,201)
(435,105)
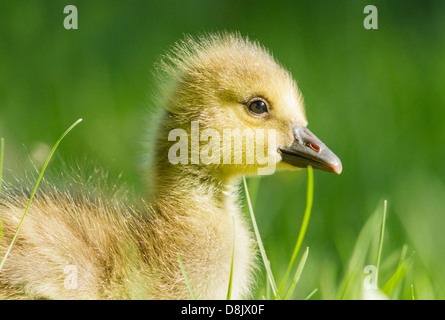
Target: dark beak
(308,150)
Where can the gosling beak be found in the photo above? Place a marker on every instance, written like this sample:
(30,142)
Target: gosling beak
(308,150)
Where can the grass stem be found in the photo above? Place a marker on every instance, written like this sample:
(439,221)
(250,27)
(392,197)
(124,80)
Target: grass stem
(186,278)
(303,228)
(229,291)
(297,274)
(260,243)
(311,294)
(382,233)
(35,189)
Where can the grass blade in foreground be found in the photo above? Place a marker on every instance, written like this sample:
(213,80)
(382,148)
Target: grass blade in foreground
(357,260)
(297,275)
(253,184)
(35,189)
(229,291)
(304,224)
(397,276)
(260,243)
(382,232)
(311,294)
(186,278)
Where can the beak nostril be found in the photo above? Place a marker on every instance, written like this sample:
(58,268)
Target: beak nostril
(314,147)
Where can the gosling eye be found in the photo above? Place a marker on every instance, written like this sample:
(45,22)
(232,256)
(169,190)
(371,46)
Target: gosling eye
(258,106)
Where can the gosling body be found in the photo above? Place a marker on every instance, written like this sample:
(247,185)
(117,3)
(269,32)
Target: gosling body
(86,243)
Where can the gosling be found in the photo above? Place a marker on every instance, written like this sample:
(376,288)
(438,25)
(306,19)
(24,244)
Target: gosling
(85,243)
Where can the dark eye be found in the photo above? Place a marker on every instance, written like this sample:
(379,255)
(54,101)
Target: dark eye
(257,106)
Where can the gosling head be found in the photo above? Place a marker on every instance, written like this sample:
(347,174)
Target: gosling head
(236,111)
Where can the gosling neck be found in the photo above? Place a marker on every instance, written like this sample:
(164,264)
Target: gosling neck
(199,185)
(193,186)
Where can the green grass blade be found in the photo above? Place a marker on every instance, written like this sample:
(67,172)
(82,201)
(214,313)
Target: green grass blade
(403,254)
(186,278)
(382,232)
(229,290)
(396,292)
(304,224)
(253,184)
(397,276)
(260,243)
(359,253)
(311,294)
(297,274)
(35,189)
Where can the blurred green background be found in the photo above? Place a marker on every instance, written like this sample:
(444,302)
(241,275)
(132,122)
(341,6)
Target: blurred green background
(376,97)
